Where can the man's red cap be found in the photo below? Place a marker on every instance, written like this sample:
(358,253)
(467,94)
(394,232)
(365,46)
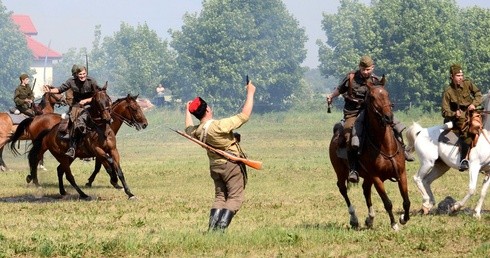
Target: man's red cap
(195,104)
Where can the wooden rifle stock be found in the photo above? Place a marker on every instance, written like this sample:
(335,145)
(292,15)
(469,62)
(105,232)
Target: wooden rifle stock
(251,163)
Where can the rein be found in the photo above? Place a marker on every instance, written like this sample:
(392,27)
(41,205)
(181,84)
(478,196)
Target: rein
(129,122)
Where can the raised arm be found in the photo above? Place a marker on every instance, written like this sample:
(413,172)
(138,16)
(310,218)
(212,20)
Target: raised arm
(249,101)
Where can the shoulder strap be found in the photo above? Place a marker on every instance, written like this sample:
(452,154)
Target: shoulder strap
(204,132)
(351,78)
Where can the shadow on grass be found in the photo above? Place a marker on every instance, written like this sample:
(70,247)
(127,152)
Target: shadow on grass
(29,198)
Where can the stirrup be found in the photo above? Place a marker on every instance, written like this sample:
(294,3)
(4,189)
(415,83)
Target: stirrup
(353,176)
(71,152)
(464,165)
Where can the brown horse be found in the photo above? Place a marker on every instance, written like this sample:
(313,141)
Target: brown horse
(99,142)
(7,126)
(381,158)
(124,110)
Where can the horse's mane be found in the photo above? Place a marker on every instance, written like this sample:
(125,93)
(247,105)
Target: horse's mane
(117,101)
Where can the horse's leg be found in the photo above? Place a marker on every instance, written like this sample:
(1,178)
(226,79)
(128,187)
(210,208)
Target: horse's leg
(65,167)
(402,186)
(380,188)
(353,221)
(3,167)
(114,161)
(473,176)
(425,168)
(61,172)
(439,169)
(41,164)
(94,173)
(484,189)
(35,154)
(366,190)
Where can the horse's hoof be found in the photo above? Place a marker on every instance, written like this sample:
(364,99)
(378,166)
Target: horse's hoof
(28,179)
(3,168)
(85,198)
(425,210)
(477,216)
(42,168)
(132,198)
(395,227)
(88,184)
(402,219)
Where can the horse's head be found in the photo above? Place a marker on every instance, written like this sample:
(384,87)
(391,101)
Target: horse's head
(48,101)
(378,102)
(129,111)
(101,105)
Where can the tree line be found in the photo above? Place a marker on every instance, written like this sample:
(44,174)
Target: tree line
(413,43)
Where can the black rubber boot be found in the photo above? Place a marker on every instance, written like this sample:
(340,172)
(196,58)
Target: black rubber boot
(225,219)
(71,151)
(464,164)
(214,215)
(353,173)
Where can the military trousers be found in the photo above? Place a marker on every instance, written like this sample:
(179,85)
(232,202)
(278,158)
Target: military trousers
(229,186)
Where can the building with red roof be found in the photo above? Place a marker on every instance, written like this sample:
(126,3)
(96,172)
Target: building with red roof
(43,56)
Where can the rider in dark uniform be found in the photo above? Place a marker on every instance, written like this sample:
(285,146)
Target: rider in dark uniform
(354,89)
(83,88)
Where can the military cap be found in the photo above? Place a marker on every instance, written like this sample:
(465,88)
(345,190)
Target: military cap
(366,61)
(455,68)
(74,69)
(23,76)
(198,107)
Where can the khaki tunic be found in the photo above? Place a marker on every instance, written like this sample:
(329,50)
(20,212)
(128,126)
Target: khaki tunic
(459,97)
(229,182)
(21,93)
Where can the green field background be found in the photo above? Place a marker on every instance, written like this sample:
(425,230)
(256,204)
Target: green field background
(292,207)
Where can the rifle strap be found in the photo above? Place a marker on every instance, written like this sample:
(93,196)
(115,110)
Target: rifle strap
(204,132)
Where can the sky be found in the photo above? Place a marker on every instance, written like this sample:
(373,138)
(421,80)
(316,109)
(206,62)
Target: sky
(64,24)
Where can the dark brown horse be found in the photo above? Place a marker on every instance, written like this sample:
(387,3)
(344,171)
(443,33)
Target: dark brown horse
(7,126)
(99,142)
(124,110)
(381,158)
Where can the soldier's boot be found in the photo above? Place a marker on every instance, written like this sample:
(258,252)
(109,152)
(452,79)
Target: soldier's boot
(71,151)
(352,158)
(213,219)
(464,164)
(408,155)
(73,143)
(225,219)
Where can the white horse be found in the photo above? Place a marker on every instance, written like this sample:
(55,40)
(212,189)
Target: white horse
(436,158)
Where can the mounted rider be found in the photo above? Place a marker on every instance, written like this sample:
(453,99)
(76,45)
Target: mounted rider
(83,88)
(460,97)
(24,97)
(354,90)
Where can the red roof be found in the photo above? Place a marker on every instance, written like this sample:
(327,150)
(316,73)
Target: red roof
(25,24)
(41,51)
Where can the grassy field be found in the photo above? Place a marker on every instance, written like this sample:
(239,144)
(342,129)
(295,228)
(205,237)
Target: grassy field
(293,207)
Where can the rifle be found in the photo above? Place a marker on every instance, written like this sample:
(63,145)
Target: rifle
(251,163)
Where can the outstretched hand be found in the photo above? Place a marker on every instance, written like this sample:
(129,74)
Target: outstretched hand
(250,87)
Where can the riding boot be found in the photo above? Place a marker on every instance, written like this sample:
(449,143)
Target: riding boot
(408,155)
(73,145)
(225,219)
(213,218)
(352,158)
(464,164)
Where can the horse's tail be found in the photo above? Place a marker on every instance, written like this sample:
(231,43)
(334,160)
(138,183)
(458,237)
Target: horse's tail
(36,147)
(21,129)
(411,134)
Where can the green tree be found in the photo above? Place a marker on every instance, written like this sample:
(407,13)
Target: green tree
(134,59)
(230,39)
(15,57)
(412,42)
(475,26)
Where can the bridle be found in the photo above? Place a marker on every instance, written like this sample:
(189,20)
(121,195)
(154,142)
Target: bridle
(132,111)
